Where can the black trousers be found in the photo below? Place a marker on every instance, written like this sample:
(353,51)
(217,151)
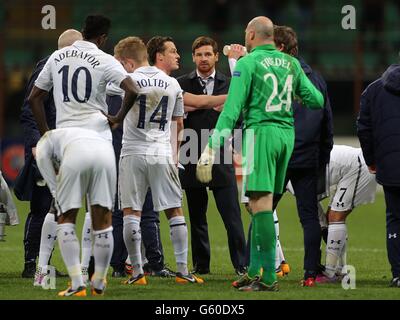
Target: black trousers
(392,199)
(150,226)
(304,182)
(39,207)
(226,199)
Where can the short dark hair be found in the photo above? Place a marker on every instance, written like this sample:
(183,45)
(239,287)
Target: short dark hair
(156,44)
(286,36)
(95,26)
(204,41)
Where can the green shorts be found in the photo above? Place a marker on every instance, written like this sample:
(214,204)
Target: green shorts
(266,154)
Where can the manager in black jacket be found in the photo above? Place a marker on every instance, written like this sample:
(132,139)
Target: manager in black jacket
(206,80)
(313,144)
(378,128)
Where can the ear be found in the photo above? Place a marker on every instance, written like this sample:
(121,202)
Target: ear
(159,56)
(216,57)
(281,47)
(193,58)
(252,35)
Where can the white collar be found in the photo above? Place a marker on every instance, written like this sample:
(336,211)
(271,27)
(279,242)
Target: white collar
(84,43)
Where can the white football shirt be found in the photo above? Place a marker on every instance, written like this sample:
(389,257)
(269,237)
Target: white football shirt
(79,74)
(147,126)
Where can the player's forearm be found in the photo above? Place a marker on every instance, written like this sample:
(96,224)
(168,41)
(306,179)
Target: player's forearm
(179,130)
(129,99)
(203,101)
(35,100)
(190,109)
(223,129)
(176,136)
(315,100)
(127,103)
(311,97)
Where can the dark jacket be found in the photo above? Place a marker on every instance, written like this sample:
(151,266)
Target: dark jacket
(29,174)
(313,128)
(378,126)
(31,131)
(114,103)
(223,175)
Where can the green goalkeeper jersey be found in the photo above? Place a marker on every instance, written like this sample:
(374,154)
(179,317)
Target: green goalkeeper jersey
(262,88)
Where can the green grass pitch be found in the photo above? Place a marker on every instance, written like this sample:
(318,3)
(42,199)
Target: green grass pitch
(366,252)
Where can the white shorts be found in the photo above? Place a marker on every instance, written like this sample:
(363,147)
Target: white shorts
(87,169)
(355,188)
(137,173)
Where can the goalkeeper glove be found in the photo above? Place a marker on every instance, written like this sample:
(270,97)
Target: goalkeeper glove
(204,165)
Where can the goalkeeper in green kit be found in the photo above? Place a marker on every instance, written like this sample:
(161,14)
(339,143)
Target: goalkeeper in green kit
(263,85)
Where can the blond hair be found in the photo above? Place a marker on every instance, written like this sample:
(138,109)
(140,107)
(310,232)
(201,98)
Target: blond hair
(131,47)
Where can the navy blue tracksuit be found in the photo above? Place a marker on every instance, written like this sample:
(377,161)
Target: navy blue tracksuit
(150,223)
(313,144)
(378,129)
(26,187)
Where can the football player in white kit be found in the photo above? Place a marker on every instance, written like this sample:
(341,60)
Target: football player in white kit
(355,186)
(79,74)
(8,210)
(69,178)
(147,158)
(49,228)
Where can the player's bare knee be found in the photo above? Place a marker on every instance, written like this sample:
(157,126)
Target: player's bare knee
(260,201)
(337,216)
(173,212)
(68,217)
(101,217)
(131,212)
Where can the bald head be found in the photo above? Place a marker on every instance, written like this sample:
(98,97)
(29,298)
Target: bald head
(68,37)
(263,27)
(259,31)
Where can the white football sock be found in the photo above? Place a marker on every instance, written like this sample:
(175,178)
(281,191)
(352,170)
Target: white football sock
(86,243)
(279,257)
(343,258)
(337,235)
(179,238)
(47,240)
(102,250)
(69,247)
(133,242)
